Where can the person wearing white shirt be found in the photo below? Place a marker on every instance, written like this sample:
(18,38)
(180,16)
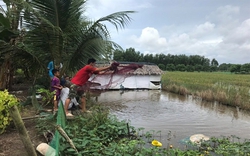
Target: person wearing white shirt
(64,95)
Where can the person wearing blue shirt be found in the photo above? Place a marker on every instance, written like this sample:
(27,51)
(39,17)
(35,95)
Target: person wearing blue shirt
(50,68)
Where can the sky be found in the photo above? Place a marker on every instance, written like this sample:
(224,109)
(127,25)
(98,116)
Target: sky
(217,29)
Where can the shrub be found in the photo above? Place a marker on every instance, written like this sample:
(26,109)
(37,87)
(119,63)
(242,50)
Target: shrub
(6,101)
(47,96)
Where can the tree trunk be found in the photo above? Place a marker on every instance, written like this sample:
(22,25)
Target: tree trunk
(22,131)
(26,73)
(6,74)
(3,76)
(10,74)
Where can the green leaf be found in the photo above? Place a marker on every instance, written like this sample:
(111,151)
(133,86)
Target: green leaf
(4,21)
(85,142)
(7,2)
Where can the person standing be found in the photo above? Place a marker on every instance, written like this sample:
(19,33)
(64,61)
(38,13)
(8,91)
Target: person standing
(80,78)
(50,67)
(56,88)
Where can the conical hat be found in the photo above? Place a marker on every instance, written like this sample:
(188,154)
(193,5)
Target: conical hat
(196,138)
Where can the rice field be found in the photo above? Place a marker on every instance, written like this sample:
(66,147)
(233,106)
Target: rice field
(226,88)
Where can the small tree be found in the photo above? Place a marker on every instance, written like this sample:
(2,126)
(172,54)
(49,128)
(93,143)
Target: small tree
(213,68)
(235,68)
(162,66)
(198,67)
(181,67)
(245,68)
(189,68)
(214,62)
(170,67)
(206,68)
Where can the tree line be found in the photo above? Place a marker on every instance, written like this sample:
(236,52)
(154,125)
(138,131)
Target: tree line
(181,62)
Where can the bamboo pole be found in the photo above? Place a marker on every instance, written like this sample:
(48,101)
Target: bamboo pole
(34,117)
(22,131)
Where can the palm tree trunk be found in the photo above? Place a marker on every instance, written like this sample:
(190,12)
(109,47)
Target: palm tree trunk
(22,131)
(2,78)
(10,74)
(4,75)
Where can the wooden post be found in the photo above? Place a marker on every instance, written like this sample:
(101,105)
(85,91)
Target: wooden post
(128,130)
(22,131)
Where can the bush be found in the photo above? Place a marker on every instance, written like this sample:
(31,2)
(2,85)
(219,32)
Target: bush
(162,66)
(6,101)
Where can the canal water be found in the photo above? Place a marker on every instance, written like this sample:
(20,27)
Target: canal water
(176,117)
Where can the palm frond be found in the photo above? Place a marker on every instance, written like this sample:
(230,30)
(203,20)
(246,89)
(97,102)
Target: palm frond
(93,39)
(2,10)
(22,57)
(59,31)
(118,19)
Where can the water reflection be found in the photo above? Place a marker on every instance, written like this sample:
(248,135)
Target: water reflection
(216,107)
(181,115)
(220,109)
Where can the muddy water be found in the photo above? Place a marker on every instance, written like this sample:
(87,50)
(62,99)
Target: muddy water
(177,117)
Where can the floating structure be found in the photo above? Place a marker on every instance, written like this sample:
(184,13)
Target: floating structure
(147,76)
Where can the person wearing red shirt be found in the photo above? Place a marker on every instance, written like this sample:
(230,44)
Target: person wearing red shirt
(80,78)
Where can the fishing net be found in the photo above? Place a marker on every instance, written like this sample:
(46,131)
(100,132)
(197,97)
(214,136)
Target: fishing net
(55,143)
(113,77)
(123,71)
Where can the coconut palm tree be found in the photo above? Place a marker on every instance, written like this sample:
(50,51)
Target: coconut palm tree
(62,33)
(11,51)
(58,30)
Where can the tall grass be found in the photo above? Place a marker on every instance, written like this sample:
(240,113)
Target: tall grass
(229,89)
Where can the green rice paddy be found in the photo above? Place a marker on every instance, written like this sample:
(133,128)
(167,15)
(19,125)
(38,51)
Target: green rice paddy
(226,88)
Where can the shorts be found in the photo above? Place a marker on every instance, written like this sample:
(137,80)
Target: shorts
(75,91)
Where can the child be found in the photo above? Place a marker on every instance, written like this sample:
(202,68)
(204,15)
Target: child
(56,87)
(65,93)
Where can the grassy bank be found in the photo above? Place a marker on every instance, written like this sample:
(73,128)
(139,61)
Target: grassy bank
(226,88)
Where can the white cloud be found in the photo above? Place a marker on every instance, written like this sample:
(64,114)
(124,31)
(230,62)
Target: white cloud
(225,14)
(101,8)
(221,36)
(203,30)
(150,40)
(214,29)
(225,18)
(236,44)
(240,35)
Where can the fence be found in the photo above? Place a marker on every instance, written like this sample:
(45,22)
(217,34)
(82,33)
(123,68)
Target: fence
(61,121)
